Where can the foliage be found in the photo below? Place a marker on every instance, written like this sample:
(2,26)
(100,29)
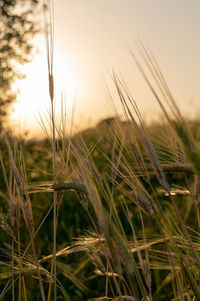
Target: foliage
(17,28)
(79,278)
(116,218)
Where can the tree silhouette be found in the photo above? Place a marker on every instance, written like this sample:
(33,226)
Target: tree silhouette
(17,27)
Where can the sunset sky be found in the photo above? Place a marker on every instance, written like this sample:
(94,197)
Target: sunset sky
(92,38)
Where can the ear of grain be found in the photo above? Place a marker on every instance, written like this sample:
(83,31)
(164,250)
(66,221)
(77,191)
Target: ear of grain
(26,207)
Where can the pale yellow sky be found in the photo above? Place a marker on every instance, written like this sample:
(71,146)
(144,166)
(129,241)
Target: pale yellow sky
(92,38)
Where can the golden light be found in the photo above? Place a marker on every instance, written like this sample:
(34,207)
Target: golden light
(33,100)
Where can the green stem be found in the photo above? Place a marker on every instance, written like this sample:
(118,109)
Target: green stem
(20,267)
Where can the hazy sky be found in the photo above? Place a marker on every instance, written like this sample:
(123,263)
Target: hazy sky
(92,37)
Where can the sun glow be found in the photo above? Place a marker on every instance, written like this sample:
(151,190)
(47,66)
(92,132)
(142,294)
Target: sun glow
(33,99)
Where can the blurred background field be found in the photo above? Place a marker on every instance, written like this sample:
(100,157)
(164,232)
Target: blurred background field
(105,186)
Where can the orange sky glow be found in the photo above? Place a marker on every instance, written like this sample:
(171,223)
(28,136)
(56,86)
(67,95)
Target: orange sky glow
(92,38)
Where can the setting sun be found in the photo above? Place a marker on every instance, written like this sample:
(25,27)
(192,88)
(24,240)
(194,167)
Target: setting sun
(94,42)
(100,150)
(33,99)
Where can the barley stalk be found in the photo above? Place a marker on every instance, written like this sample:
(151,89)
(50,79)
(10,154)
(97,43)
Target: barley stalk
(48,5)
